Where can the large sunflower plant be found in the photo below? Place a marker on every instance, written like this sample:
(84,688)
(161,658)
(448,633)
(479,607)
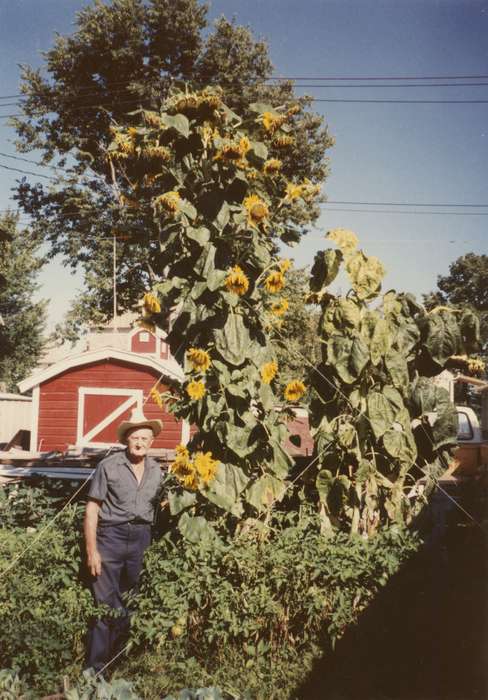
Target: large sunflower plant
(215,196)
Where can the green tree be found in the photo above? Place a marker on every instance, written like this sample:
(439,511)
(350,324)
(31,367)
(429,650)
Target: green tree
(125,56)
(465,287)
(22,320)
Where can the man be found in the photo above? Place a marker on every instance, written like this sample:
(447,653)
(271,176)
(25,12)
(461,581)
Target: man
(119,513)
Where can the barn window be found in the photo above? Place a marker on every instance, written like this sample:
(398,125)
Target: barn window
(144,337)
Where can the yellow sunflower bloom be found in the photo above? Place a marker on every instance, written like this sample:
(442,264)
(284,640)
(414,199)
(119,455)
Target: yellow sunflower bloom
(294,390)
(244,146)
(294,109)
(151,303)
(182,465)
(253,174)
(272,122)
(169,201)
(200,359)
(152,119)
(205,466)
(190,481)
(236,281)
(196,390)
(182,451)
(280,308)
(272,166)
(293,192)
(156,397)
(285,265)
(283,141)
(275,282)
(268,372)
(257,210)
(157,152)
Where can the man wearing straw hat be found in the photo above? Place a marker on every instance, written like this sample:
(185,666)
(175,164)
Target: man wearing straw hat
(121,501)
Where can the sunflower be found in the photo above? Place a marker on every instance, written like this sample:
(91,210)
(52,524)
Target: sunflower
(283,141)
(152,119)
(293,192)
(156,397)
(190,481)
(169,201)
(285,265)
(280,308)
(182,465)
(196,390)
(125,143)
(272,122)
(257,210)
(199,358)
(205,466)
(294,109)
(294,390)
(272,166)
(275,282)
(151,303)
(182,451)
(157,152)
(268,371)
(236,281)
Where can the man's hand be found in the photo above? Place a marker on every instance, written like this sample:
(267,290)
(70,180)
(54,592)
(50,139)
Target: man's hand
(95,563)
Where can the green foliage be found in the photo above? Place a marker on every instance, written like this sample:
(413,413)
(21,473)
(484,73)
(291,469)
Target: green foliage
(262,591)
(91,687)
(125,56)
(44,609)
(380,423)
(22,320)
(295,334)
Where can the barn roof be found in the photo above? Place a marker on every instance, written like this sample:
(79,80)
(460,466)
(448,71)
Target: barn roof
(168,368)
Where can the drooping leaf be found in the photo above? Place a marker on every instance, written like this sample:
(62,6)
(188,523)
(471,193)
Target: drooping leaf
(265,491)
(178,502)
(397,369)
(197,529)
(325,268)
(381,413)
(381,340)
(365,274)
(232,340)
(225,489)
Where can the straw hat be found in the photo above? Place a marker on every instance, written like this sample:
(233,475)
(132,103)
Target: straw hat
(138,420)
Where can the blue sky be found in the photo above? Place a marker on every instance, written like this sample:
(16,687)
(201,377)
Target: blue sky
(417,153)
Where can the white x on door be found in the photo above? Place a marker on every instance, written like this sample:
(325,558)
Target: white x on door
(101,410)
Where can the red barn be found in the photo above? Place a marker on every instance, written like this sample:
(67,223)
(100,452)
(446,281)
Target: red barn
(81,399)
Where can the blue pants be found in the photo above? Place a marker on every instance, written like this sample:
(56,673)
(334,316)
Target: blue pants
(122,549)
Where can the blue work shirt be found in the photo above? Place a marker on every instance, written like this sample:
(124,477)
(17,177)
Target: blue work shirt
(123,498)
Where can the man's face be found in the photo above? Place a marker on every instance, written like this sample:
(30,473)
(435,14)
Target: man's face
(139,441)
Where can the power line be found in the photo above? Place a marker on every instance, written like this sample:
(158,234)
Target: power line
(405,80)
(335,86)
(401,204)
(411,213)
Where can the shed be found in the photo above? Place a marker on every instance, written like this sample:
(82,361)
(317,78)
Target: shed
(81,399)
(15,415)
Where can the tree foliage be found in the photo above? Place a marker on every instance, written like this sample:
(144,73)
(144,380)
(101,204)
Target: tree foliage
(22,320)
(380,423)
(127,56)
(465,287)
